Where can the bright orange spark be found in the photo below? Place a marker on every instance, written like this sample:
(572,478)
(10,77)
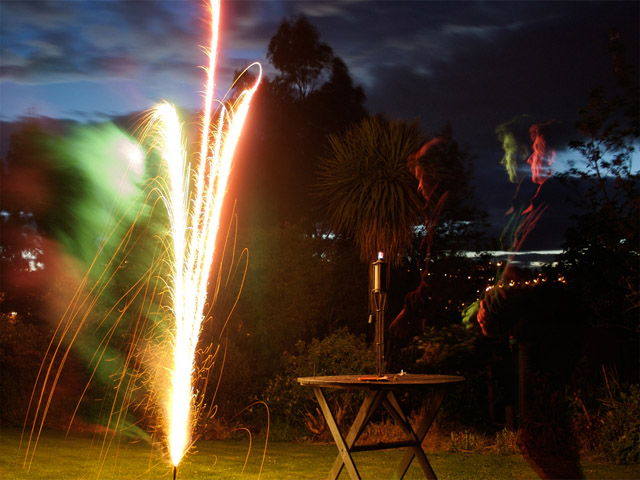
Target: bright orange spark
(193,198)
(194,215)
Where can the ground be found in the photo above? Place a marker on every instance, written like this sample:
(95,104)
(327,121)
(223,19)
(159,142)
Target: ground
(79,456)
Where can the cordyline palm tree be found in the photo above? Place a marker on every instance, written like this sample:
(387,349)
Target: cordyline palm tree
(370,194)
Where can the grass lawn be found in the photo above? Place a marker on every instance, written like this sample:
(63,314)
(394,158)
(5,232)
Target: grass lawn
(78,456)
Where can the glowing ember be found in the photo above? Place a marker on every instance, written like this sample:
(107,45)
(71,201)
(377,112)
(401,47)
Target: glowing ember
(194,215)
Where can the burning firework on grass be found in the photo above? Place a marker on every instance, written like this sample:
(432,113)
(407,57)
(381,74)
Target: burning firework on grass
(178,275)
(194,215)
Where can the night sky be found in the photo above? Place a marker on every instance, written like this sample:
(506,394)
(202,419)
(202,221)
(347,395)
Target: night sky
(474,64)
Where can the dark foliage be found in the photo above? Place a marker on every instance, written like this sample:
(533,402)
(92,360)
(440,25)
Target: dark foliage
(601,255)
(311,97)
(339,353)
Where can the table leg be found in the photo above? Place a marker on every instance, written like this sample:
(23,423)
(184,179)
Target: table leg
(369,406)
(392,405)
(423,428)
(343,450)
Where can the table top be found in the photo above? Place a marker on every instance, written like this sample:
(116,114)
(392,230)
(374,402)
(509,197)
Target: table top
(387,381)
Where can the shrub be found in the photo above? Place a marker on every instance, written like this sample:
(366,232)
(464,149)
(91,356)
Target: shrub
(455,350)
(620,423)
(294,409)
(505,442)
(447,349)
(609,424)
(22,347)
(465,442)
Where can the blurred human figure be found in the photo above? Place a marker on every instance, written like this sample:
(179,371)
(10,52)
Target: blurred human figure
(544,325)
(426,165)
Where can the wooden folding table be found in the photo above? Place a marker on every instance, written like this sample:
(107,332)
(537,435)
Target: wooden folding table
(381,393)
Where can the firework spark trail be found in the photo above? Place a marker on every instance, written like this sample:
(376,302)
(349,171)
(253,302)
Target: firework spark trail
(193,200)
(194,223)
(68,331)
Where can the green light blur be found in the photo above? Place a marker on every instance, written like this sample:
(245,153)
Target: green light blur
(102,168)
(515,153)
(469,314)
(109,218)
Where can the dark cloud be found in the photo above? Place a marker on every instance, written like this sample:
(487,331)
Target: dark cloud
(476,64)
(513,58)
(437,60)
(46,42)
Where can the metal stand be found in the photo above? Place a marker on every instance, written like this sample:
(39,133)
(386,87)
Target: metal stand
(379,304)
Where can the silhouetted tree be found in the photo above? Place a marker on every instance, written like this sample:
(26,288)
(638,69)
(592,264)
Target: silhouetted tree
(602,251)
(292,114)
(26,201)
(370,193)
(338,102)
(288,296)
(298,54)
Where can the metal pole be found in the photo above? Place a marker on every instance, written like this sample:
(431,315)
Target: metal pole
(379,335)
(379,293)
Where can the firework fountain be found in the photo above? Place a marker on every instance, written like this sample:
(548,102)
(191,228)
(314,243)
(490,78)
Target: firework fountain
(193,194)
(194,214)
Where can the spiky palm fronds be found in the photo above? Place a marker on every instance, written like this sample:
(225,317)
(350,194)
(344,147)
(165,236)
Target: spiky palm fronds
(369,192)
